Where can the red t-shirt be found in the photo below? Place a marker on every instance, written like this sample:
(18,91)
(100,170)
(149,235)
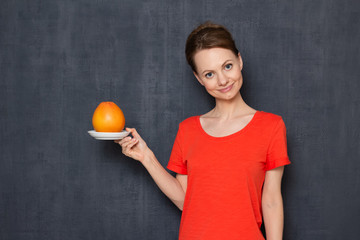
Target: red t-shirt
(226,175)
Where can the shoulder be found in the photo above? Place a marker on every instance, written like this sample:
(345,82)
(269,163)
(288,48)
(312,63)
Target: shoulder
(189,121)
(271,125)
(271,119)
(189,124)
(270,116)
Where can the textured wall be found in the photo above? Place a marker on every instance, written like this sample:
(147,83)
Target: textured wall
(59,59)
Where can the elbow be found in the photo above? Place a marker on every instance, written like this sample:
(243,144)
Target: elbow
(179,204)
(272,202)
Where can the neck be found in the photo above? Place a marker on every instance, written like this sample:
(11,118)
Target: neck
(228,109)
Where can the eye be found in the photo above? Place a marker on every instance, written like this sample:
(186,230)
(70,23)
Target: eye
(209,75)
(228,66)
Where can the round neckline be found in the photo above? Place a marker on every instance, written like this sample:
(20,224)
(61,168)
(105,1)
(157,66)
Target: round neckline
(247,126)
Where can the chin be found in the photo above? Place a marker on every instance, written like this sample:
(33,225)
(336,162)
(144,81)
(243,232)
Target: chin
(225,96)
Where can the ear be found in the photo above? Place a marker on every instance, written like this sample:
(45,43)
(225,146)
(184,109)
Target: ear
(198,78)
(241,62)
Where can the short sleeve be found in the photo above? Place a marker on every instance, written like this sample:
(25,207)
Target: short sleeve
(277,152)
(176,162)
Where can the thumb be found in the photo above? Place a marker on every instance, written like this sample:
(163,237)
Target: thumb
(133,132)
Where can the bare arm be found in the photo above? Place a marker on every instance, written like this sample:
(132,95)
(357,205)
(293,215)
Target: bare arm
(272,204)
(173,188)
(169,185)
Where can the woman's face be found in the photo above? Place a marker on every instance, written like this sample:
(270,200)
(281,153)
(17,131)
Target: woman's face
(219,71)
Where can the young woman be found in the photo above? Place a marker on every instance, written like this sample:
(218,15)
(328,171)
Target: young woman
(229,161)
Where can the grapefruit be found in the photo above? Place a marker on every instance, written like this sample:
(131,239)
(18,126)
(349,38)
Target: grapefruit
(108,117)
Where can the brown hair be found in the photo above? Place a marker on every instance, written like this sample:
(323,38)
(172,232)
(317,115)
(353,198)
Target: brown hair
(205,36)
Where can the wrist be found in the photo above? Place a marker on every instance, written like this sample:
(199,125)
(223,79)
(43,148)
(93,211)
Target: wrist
(148,156)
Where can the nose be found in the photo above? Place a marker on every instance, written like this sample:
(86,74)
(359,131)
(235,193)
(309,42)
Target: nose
(222,79)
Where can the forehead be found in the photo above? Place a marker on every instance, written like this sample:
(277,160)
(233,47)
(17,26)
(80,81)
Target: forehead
(212,58)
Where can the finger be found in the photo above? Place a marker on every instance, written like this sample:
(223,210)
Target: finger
(130,141)
(133,132)
(121,141)
(125,144)
(128,149)
(131,144)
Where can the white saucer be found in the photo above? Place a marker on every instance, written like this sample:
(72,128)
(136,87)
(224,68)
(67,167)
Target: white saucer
(108,135)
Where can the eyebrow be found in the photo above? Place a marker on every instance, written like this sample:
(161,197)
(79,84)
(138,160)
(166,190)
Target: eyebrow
(221,65)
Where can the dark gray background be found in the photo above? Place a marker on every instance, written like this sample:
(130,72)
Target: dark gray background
(60,59)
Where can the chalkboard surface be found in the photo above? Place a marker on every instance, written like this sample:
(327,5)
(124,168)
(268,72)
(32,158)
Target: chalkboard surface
(60,59)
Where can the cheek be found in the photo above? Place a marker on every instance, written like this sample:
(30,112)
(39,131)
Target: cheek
(210,85)
(236,75)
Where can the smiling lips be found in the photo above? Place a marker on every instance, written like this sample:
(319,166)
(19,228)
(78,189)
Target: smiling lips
(224,90)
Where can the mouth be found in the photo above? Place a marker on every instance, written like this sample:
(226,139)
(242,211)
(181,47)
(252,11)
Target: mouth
(224,90)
